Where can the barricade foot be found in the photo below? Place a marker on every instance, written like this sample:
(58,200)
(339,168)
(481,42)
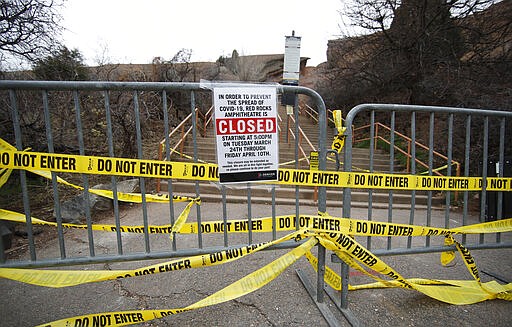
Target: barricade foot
(326,312)
(328,315)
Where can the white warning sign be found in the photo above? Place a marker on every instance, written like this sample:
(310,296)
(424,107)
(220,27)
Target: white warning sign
(246,133)
(291,68)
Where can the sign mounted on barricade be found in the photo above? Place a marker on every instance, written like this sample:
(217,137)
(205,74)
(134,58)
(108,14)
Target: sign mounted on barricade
(246,134)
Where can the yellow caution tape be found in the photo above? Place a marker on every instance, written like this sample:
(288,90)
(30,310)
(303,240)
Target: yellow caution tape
(125,197)
(139,229)
(453,292)
(450,291)
(345,246)
(447,256)
(246,285)
(66,278)
(330,277)
(209,172)
(332,232)
(320,223)
(178,224)
(339,139)
(4,172)
(4,175)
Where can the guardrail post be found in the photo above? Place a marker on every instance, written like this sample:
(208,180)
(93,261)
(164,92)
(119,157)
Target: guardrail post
(408,156)
(376,135)
(161,158)
(287,129)
(182,143)
(456,195)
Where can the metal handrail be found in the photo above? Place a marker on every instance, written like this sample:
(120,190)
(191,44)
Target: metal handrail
(180,127)
(280,120)
(310,114)
(208,118)
(406,153)
(314,116)
(302,136)
(184,133)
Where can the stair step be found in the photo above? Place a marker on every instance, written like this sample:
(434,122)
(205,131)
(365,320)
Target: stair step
(206,151)
(233,192)
(355,203)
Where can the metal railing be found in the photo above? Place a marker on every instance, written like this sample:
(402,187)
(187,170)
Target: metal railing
(465,132)
(302,137)
(83,100)
(359,136)
(312,114)
(40,94)
(180,134)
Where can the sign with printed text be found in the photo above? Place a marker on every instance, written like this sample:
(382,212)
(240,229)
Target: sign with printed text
(246,134)
(291,68)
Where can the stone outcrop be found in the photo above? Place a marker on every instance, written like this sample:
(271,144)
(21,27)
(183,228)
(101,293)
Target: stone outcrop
(255,68)
(74,210)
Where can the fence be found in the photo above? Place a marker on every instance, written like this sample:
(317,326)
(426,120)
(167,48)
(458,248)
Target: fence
(113,122)
(96,98)
(476,147)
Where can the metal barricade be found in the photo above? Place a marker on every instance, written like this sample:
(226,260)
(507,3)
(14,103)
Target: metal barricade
(68,103)
(481,135)
(118,110)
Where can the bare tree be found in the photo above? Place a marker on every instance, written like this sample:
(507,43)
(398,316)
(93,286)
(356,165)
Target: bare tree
(443,52)
(417,50)
(29,29)
(177,69)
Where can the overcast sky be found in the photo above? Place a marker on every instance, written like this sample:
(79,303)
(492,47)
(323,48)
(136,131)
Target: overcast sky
(136,31)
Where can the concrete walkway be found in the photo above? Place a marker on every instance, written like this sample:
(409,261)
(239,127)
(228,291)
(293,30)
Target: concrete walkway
(283,302)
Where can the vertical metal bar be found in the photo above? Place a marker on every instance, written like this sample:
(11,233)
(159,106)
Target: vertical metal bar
(430,164)
(449,171)
(344,284)
(391,170)
(142,179)
(467,149)
(320,273)
(370,191)
(23,175)
(408,160)
(296,157)
(2,250)
(485,159)
(224,215)
(168,158)
(274,227)
(322,125)
(249,212)
(499,214)
(113,179)
(194,141)
(56,199)
(413,172)
(85,178)
(347,208)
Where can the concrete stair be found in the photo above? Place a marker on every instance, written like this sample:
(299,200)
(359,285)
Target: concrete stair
(212,192)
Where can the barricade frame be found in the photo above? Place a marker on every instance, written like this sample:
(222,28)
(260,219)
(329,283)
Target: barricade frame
(317,293)
(413,110)
(75,87)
